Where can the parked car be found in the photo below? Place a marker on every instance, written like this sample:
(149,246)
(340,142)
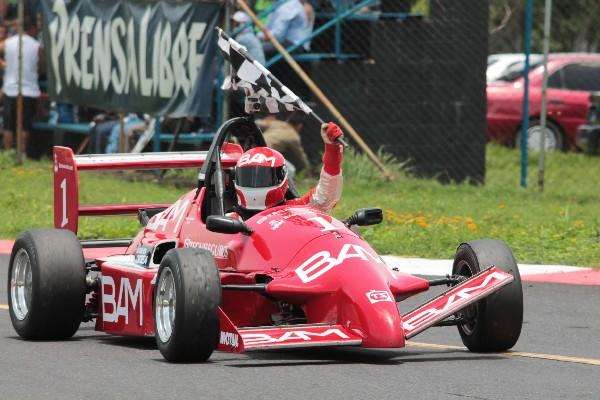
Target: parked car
(509,66)
(571,79)
(588,135)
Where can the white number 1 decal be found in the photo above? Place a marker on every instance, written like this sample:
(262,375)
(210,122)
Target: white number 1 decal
(63,186)
(327,226)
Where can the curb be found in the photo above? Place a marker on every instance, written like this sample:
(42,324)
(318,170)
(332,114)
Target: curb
(564,274)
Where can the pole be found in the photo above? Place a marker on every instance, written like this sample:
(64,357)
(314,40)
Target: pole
(315,89)
(122,147)
(525,124)
(19,134)
(226,96)
(541,166)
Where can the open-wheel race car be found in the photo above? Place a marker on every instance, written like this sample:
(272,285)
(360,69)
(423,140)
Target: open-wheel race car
(199,280)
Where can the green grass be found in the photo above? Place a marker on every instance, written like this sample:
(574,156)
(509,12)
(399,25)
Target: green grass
(26,198)
(423,218)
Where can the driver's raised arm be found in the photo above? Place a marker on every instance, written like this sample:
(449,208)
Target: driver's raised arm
(328,191)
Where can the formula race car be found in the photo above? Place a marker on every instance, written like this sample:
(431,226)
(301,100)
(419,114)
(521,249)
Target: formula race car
(199,280)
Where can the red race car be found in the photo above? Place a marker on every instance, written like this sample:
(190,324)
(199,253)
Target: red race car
(199,280)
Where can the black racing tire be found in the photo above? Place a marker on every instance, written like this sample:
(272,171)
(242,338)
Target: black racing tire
(494,322)
(557,140)
(46,299)
(186,321)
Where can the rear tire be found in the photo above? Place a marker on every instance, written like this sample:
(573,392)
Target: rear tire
(554,136)
(494,323)
(186,301)
(46,284)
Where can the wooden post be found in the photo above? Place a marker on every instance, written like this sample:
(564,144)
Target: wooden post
(316,90)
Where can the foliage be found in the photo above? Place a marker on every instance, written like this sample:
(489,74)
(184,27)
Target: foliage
(27,199)
(574,26)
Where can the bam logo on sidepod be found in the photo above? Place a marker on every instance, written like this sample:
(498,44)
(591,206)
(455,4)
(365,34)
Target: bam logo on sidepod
(119,304)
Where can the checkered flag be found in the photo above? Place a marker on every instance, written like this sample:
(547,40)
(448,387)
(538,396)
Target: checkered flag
(264,92)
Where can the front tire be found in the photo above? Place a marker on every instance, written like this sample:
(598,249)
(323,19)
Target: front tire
(494,323)
(186,301)
(46,284)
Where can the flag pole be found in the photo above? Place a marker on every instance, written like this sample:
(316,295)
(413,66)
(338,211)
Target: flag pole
(315,89)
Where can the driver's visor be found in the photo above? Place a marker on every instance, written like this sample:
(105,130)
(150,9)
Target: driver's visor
(259,176)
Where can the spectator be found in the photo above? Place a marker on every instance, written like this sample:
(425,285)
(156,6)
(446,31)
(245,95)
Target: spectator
(132,124)
(287,24)
(310,20)
(100,133)
(3,37)
(247,38)
(284,136)
(33,60)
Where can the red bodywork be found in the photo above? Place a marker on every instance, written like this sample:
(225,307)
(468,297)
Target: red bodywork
(345,291)
(566,108)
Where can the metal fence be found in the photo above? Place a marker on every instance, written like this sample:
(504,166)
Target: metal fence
(411,77)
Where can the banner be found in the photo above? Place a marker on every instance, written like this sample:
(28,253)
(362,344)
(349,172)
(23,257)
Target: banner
(154,57)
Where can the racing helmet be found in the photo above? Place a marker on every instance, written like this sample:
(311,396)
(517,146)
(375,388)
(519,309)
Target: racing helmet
(261,179)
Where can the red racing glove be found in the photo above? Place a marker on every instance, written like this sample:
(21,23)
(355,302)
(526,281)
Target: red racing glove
(331,132)
(333,156)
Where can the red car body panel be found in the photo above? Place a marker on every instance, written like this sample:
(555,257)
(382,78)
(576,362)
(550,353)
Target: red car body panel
(566,108)
(304,257)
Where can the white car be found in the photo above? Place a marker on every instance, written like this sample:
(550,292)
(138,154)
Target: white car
(509,66)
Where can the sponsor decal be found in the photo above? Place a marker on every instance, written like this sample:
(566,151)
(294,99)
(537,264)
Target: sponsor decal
(65,166)
(321,262)
(174,213)
(257,158)
(113,50)
(375,296)
(142,256)
(229,339)
(256,339)
(217,250)
(453,302)
(116,303)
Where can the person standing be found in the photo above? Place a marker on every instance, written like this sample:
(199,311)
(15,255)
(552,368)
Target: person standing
(287,23)
(246,36)
(32,54)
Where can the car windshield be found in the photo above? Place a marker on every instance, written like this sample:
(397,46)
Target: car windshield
(517,70)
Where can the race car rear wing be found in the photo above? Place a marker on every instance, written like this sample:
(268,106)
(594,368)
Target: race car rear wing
(66,179)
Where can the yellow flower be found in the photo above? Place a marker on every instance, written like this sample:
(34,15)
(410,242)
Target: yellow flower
(472,227)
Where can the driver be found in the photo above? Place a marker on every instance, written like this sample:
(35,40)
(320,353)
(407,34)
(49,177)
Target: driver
(261,179)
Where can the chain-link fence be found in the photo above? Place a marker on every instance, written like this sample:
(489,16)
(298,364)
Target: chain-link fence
(411,77)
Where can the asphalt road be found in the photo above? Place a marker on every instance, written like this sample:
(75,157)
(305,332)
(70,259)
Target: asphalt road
(560,321)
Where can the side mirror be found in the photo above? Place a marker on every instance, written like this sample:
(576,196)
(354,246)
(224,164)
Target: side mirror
(365,217)
(223,224)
